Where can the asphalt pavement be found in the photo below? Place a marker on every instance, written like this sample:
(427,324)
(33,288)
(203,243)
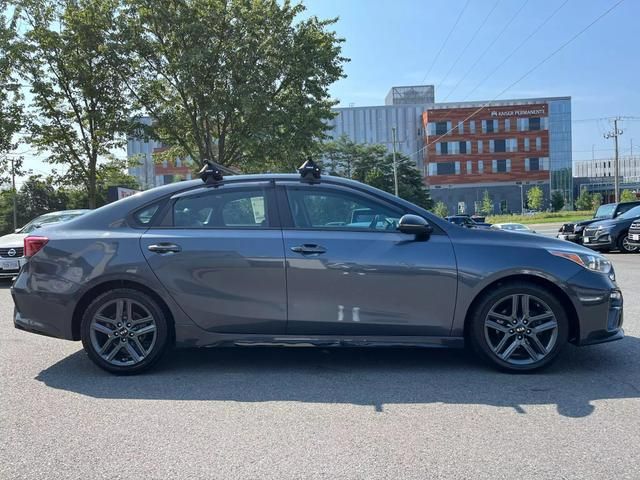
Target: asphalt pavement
(281,413)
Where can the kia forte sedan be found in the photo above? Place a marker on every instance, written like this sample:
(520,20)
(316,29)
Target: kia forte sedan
(321,260)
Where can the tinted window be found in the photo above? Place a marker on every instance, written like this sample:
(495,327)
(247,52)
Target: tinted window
(605,211)
(324,208)
(144,216)
(500,146)
(222,209)
(624,207)
(633,213)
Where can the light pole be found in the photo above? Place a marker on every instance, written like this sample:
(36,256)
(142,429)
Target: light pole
(616,163)
(395,167)
(13,185)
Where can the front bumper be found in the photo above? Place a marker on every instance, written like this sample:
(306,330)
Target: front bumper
(603,241)
(599,307)
(570,237)
(7,269)
(634,238)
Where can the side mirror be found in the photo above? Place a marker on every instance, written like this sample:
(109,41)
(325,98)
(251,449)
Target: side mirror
(17,230)
(414,225)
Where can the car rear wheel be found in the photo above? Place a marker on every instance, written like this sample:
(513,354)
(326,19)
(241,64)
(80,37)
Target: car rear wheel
(124,331)
(519,327)
(624,246)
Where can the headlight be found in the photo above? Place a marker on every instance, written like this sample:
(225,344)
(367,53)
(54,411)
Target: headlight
(596,263)
(605,229)
(578,228)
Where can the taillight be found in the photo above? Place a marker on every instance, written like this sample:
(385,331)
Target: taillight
(33,245)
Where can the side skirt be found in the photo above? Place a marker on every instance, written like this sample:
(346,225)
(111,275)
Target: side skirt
(189,337)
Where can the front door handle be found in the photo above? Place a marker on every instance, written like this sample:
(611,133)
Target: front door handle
(164,248)
(308,249)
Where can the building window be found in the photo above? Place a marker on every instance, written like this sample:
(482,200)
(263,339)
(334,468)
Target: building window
(442,148)
(501,166)
(472,126)
(538,144)
(464,147)
(507,125)
(442,128)
(534,123)
(523,124)
(460,128)
(489,126)
(448,168)
(469,167)
(432,169)
(480,166)
(499,145)
(532,164)
(479,146)
(503,207)
(527,145)
(512,144)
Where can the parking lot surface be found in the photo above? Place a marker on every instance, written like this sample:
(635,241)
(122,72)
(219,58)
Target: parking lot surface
(320,413)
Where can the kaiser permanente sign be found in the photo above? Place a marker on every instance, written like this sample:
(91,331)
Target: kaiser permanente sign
(519,113)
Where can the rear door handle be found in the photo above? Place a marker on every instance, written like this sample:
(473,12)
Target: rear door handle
(164,248)
(308,249)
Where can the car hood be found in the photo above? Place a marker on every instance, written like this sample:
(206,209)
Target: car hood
(13,240)
(609,223)
(525,240)
(584,223)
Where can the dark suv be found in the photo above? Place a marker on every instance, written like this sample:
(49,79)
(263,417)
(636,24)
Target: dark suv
(612,234)
(574,231)
(634,234)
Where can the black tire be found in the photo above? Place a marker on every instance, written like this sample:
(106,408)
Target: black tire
(622,244)
(141,301)
(480,340)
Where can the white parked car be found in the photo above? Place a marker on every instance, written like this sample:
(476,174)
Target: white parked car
(12,245)
(513,227)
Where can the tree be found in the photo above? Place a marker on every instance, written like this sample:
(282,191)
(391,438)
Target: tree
(557,201)
(109,174)
(535,198)
(486,207)
(373,165)
(584,200)
(11,107)
(244,83)
(596,201)
(628,196)
(72,58)
(441,209)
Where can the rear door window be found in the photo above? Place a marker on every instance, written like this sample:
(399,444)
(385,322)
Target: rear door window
(234,208)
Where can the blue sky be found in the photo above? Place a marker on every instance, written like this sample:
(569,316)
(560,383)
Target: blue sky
(396,42)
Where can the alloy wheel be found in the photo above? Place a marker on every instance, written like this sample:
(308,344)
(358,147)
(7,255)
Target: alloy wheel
(521,329)
(123,332)
(627,247)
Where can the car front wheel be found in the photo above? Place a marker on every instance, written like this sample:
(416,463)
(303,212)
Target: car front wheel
(625,246)
(519,327)
(124,331)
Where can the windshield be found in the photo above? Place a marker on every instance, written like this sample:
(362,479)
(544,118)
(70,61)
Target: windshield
(605,211)
(633,213)
(49,218)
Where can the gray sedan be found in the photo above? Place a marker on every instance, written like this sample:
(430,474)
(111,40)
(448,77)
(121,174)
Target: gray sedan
(284,260)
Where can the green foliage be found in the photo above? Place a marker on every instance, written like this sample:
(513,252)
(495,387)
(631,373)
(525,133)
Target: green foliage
(73,59)
(628,196)
(38,195)
(242,82)
(584,200)
(440,209)
(486,207)
(557,201)
(373,165)
(535,198)
(596,201)
(11,109)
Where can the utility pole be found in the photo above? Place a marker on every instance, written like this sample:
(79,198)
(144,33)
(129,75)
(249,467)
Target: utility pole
(616,164)
(395,167)
(15,207)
